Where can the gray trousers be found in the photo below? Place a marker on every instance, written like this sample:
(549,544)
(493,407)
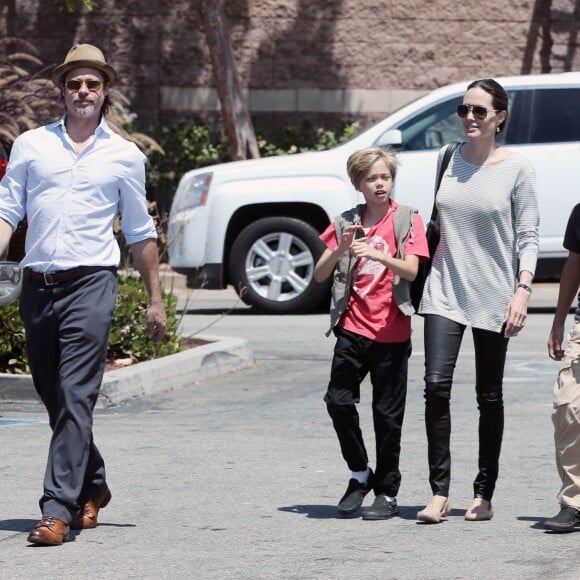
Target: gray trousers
(67,329)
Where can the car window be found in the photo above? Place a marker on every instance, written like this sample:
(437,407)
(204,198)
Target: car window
(542,116)
(536,116)
(554,115)
(432,128)
(517,125)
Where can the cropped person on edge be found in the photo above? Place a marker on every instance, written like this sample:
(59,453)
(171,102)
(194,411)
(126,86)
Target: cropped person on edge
(566,414)
(71,178)
(481,277)
(373,251)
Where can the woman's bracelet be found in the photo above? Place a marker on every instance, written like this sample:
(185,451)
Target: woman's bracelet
(525,287)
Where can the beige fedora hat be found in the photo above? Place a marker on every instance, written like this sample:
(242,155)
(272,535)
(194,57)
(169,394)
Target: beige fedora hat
(84,55)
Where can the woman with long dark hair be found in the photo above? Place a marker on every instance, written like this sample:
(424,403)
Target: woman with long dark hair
(481,278)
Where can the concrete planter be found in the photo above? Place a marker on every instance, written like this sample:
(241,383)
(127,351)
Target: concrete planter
(220,356)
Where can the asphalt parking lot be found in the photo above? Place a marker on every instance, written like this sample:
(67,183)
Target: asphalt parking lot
(238,476)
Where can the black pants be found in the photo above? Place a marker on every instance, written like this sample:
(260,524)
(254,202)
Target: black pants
(354,357)
(67,329)
(442,341)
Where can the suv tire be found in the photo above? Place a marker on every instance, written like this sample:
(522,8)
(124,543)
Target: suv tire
(271,266)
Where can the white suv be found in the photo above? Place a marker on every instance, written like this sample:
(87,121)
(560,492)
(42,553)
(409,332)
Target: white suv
(255,224)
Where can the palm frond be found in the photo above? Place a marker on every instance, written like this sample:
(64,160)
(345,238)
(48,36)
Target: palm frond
(23,56)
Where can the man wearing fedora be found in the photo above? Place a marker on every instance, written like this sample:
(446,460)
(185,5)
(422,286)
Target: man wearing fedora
(71,178)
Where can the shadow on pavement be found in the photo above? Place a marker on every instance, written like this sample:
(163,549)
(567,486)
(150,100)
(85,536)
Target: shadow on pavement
(328,512)
(538,522)
(17,525)
(319,512)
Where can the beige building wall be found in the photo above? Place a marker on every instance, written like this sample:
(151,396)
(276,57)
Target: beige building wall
(309,59)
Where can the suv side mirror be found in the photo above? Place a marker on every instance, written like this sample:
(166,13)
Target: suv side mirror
(393,138)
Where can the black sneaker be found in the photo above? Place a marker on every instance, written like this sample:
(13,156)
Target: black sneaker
(354,495)
(565,521)
(382,509)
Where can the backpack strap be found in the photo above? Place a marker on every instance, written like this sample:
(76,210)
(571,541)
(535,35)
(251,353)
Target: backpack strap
(403,227)
(442,162)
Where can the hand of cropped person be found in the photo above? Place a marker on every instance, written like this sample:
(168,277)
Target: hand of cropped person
(555,341)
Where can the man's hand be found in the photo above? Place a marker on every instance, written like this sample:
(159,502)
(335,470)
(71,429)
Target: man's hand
(156,322)
(147,262)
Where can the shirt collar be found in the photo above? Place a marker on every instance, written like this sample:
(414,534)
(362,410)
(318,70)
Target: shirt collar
(102,128)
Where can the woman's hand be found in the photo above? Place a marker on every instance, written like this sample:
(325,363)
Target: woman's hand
(516,312)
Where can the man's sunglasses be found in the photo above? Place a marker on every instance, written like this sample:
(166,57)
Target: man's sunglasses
(93,85)
(478,111)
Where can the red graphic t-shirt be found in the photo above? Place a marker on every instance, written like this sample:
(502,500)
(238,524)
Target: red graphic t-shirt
(371,310)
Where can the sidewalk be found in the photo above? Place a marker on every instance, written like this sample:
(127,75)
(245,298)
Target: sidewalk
(219,356)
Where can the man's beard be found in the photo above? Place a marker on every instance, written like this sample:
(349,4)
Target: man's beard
(83,112)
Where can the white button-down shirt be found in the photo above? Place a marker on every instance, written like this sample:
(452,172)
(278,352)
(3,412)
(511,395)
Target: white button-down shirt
(71,200)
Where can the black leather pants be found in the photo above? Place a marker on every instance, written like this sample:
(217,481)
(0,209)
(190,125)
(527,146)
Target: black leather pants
(442,341)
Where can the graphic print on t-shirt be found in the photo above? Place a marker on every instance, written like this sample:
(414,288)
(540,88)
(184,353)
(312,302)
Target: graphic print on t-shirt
(368,272)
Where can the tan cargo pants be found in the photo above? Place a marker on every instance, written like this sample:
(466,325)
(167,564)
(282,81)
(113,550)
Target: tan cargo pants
(566,419)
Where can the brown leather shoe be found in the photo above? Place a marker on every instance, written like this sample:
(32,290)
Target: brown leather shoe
(90,510)
(49,531)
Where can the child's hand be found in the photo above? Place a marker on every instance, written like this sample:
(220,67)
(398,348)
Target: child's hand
(348,236)
(362,249)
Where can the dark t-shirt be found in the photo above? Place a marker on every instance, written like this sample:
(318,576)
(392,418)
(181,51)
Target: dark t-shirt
(572,242)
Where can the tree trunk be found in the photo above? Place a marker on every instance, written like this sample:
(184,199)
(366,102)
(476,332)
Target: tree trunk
(239,129)
(7,12)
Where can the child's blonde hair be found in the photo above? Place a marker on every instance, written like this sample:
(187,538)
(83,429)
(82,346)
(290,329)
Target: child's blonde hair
(361,161)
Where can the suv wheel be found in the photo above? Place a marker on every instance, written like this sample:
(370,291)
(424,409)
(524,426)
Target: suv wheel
(272,266)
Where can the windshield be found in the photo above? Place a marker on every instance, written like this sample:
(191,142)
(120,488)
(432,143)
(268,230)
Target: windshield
(375,123)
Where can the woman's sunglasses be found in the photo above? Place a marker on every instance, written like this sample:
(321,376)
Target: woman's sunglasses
(93,85)
(478,111)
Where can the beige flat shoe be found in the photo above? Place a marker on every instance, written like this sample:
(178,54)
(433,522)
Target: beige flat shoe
(437,508)
(480,510)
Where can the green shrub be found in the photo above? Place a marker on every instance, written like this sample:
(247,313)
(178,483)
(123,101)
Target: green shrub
(290,140)
(12,342)
(128,339)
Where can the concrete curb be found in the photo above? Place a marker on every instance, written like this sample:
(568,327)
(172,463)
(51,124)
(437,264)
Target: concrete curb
(220,356)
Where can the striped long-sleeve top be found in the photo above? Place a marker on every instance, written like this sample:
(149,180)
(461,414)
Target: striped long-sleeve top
(489,233)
